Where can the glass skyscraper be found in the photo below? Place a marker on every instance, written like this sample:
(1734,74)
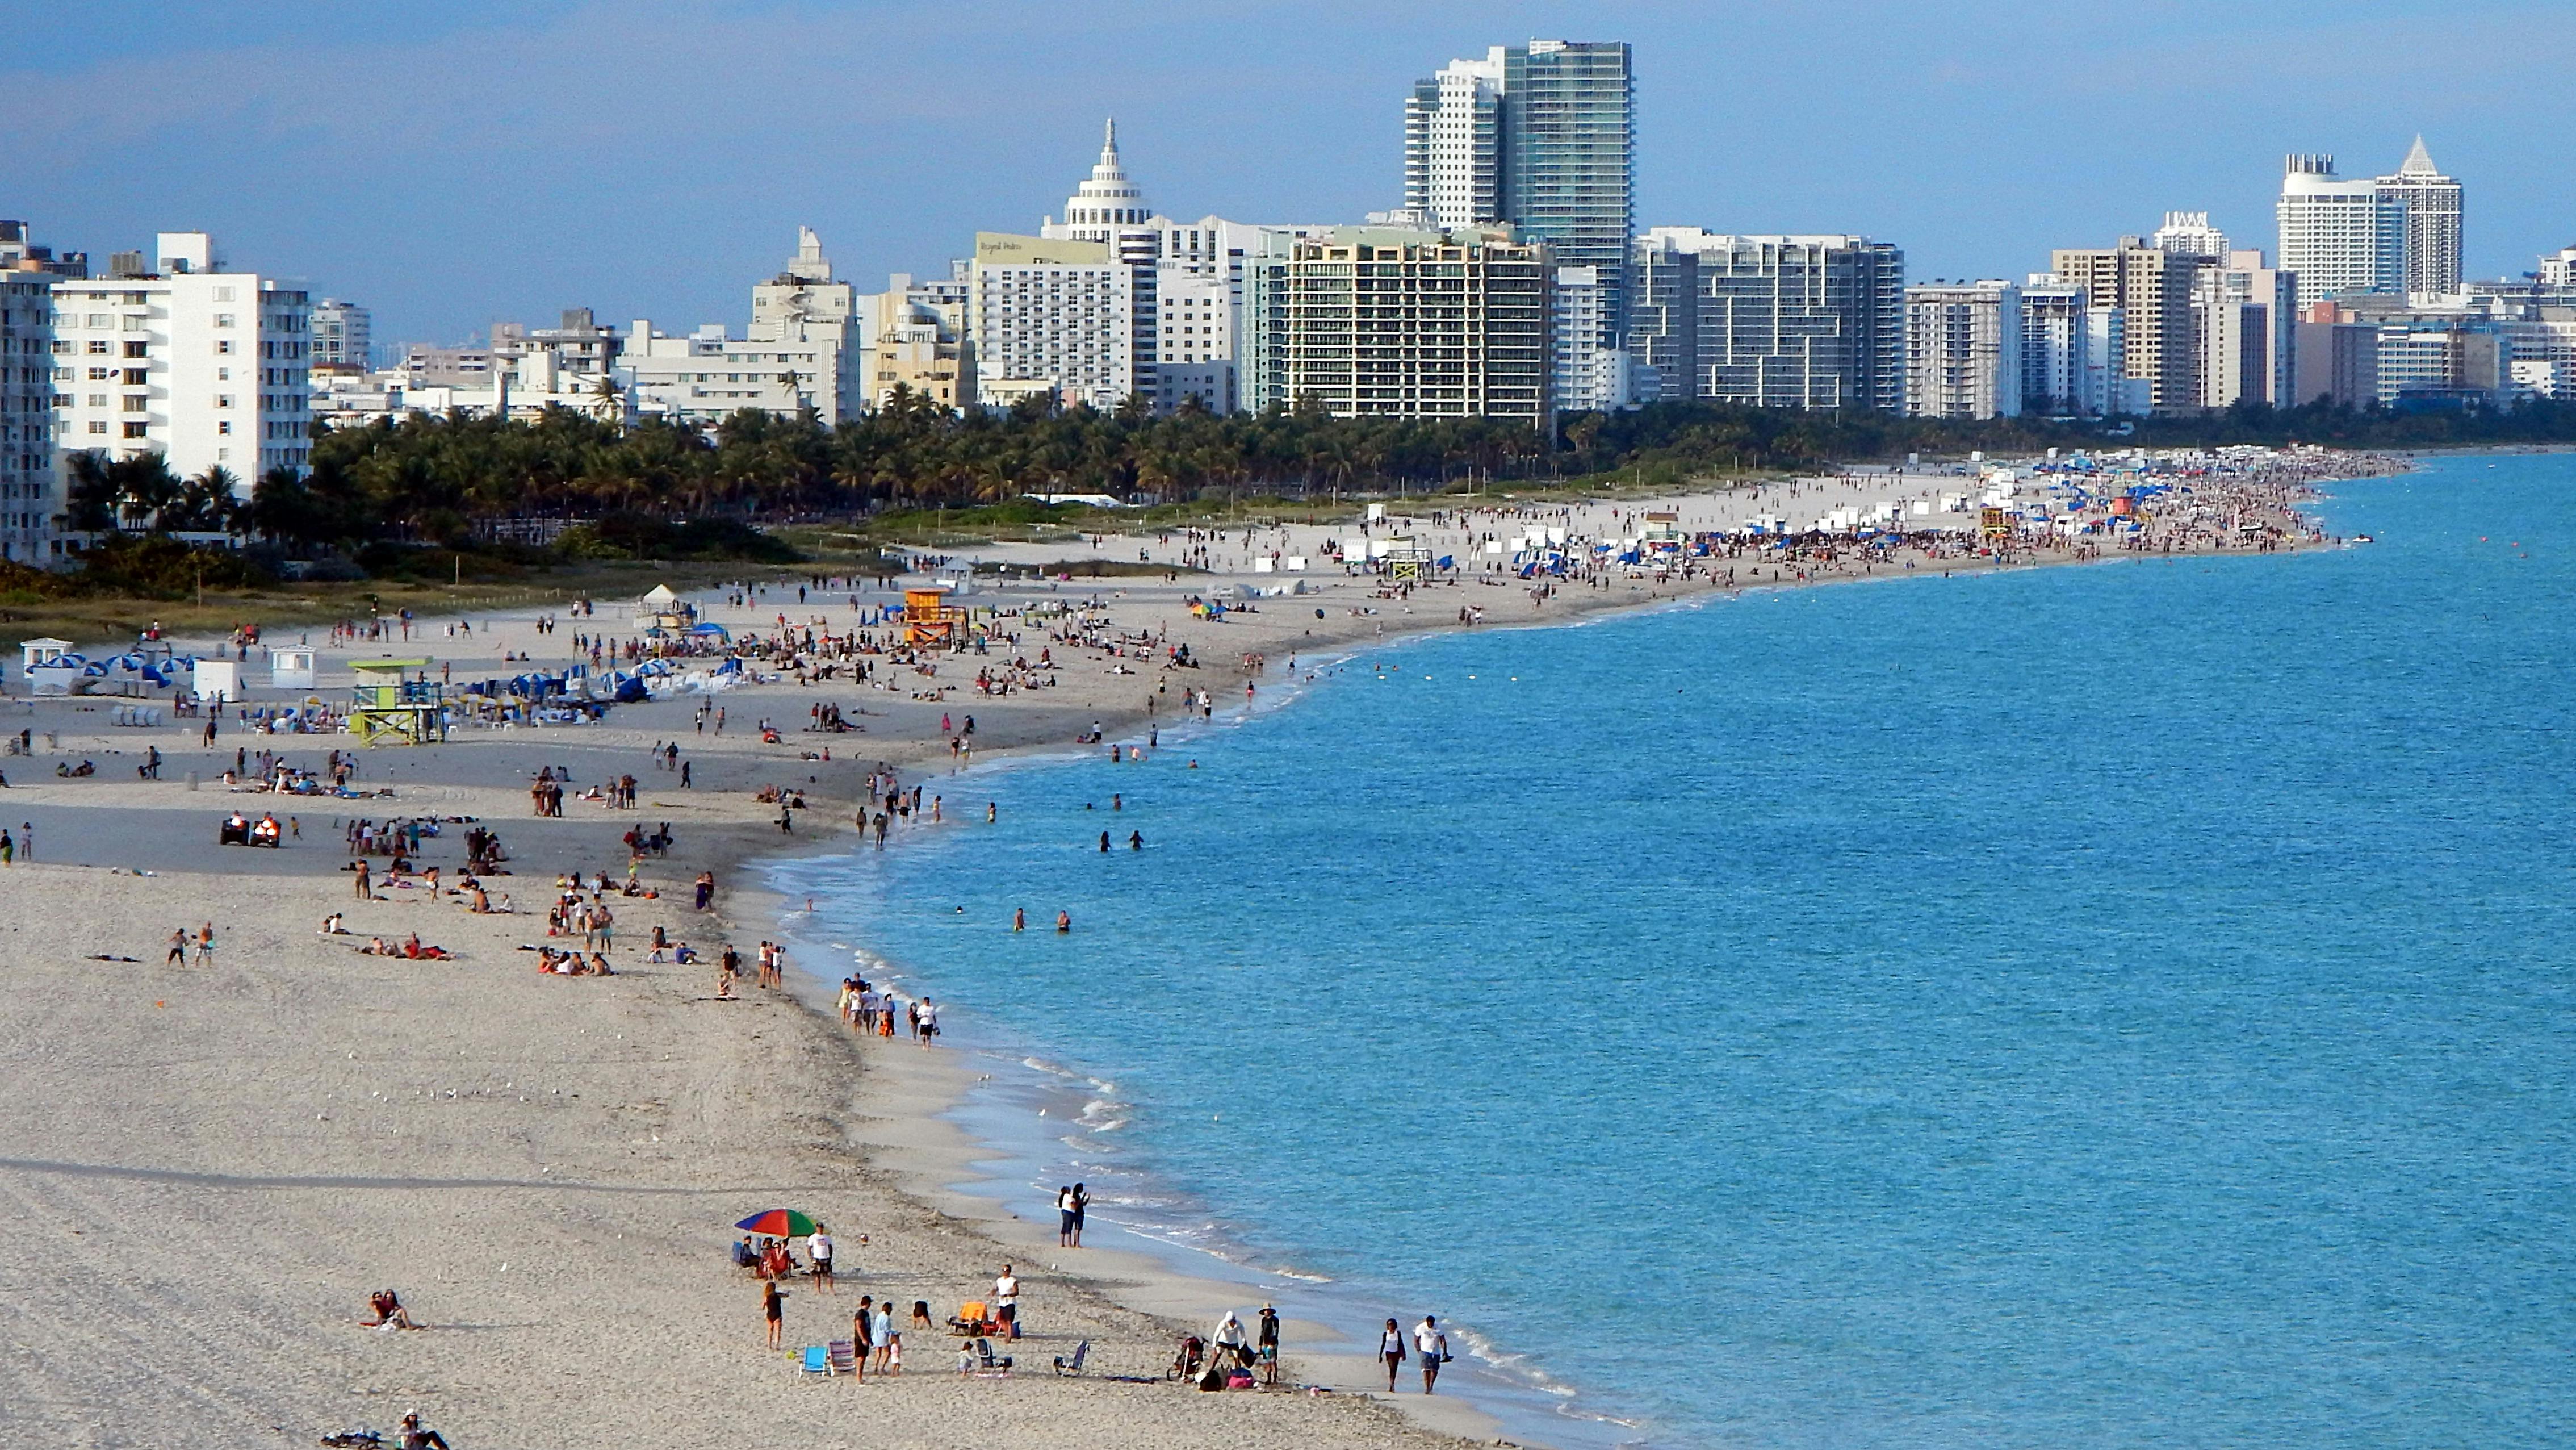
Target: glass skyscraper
(1543,136)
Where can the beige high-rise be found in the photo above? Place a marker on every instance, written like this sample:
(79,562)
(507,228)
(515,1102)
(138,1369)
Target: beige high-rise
(2152,288)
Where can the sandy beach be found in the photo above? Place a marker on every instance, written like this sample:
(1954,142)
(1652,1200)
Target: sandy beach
(208,1165)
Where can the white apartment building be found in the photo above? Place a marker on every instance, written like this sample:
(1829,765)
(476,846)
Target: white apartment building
(2109,390)
(706,377)
(1053,316)
(1590,375)
(2339,235)
(520,388)
(1963,350)
(2053,341)
(29,499)
(204,366)
(2189,234)
(2432,204)
(2558,270)
(1452,143)
(343,333)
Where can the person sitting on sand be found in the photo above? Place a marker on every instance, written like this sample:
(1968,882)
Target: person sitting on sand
(388,1309)
(685,954)
(332,925)
(416,1438)
(599,966)
(745,1257)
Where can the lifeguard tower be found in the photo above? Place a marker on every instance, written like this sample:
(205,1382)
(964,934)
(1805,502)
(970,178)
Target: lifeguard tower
(930,621)
(291,668)
(387,709)
(661,609)
(1408,560)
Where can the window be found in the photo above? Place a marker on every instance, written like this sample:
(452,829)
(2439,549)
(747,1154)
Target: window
(223,319)
(223,294)
(136,404)
(98,400)
(137,430)
(138,349)
(223,375)
(101,375)
(98,427)
(224,400)
(100,345)
(101,321)
(226,426)
(137,377)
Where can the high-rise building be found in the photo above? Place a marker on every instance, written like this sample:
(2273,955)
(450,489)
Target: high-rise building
(1542,136)
(2245,315)
(1453,169)
(799,354)
(205,366)
(1590,375)
(2152,290)
(1963,350)
(2339,235)
(2053,346)
(2432,206)
(343,332)
(1382,322)
(28,500)
(1054,317)
(1770,321)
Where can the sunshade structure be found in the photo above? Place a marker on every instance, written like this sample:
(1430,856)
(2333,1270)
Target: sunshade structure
(778,1223)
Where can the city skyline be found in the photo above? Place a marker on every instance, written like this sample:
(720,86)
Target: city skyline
(460,169)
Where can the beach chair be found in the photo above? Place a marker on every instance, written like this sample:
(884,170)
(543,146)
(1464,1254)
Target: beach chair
(817,1360)
(972,1318)
(844,1355)
(989,1361)
(1073,1365)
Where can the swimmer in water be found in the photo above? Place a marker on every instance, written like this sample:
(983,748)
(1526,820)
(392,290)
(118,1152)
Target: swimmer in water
(1019,919)
(1063,922)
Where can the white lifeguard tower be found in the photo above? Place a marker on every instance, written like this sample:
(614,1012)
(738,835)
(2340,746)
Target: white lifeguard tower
(34,652)
(291,668)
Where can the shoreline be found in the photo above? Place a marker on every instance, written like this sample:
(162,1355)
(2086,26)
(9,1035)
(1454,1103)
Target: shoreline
(966,1175)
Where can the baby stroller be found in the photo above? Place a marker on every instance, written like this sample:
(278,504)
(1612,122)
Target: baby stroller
(1185,1363)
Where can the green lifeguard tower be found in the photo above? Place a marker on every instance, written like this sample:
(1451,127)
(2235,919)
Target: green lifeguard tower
(387,709)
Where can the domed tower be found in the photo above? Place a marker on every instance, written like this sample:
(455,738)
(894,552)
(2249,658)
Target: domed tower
(1108,200)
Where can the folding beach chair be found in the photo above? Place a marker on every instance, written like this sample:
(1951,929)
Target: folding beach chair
(844,1356)
(1073,1366)
(817,1360)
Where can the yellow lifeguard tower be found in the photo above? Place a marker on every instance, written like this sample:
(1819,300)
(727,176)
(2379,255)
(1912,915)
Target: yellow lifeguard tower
(1408,560)
(930,620)
(387,709)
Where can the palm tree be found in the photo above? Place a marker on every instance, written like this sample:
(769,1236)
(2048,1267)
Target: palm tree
(607,402)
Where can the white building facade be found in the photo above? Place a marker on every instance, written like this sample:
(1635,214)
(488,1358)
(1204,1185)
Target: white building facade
(1453,143)
(204,366)
(343,336)
(2432,204)
(2339,235)
(1963,350)
(1055,317)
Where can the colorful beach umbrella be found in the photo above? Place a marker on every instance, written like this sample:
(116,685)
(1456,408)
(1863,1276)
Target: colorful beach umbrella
(778,1223)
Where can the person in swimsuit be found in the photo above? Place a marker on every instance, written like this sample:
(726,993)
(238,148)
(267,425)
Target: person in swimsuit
(773,1308)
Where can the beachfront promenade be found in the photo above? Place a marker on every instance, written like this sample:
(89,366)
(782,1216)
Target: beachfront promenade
(213,1163)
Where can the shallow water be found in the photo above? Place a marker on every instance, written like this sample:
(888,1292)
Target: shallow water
(2105,1005)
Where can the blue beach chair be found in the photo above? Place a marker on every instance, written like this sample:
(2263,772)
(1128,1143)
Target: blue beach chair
(817,1360)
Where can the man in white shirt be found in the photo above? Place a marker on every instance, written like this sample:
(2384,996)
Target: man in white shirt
(1006,1301)
(818,1248)
(1432,1348)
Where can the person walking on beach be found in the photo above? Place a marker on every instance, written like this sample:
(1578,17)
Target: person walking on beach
(206,945)
(178,949)
(1064,1216)
(773,1308)
(1081,1206)
(1432,1348)
(926,1021)
(1390,1347)
(889,1339)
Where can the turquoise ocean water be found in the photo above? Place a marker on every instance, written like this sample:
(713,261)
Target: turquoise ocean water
(2116,1005)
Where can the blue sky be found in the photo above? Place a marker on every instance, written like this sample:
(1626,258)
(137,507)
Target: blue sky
(450,164)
